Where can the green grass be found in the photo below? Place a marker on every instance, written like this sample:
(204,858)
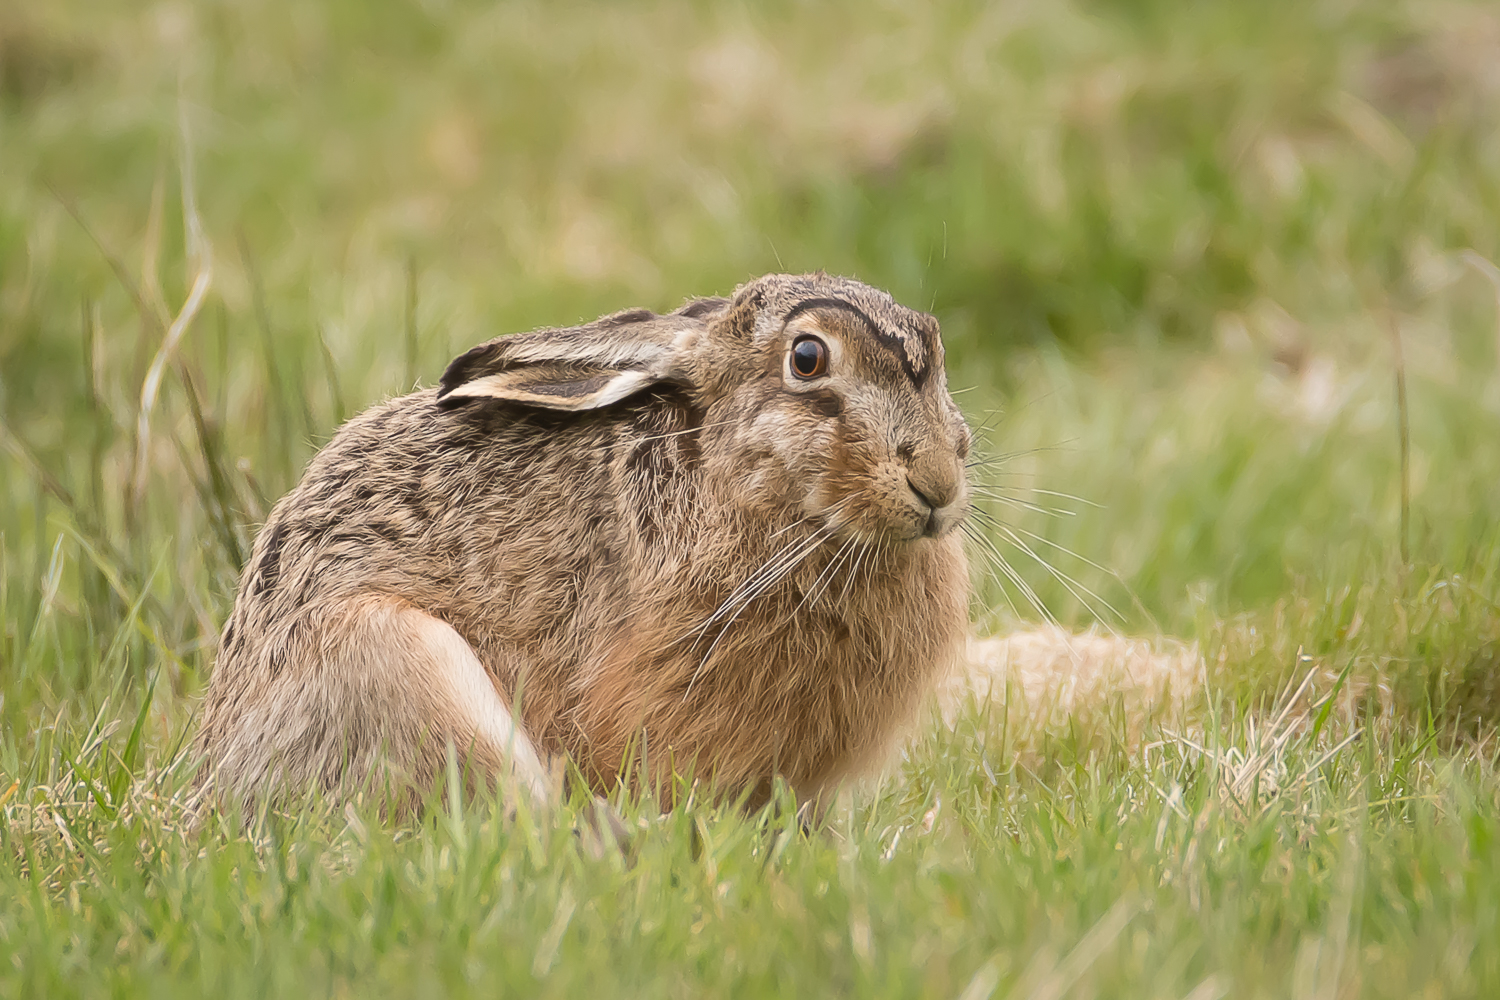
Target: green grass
(1169,245)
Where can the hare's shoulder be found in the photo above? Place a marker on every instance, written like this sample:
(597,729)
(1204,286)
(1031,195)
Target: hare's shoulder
(411,452)
(369,501)
(411,496)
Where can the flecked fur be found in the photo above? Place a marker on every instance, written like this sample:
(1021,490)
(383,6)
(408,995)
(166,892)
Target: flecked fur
(589,555)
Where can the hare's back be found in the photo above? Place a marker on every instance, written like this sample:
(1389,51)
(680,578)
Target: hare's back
(410,496)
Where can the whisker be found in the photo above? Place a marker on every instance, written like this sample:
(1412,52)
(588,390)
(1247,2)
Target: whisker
(971,532)
(745,586)
(864,550)
(999,561)
(991,419)
(1023,504)
(814,592)
(1065,550)
(1004,414)
(789,554)
(690,430)
(820,586)
(769,574)
(830,513)
(809,546)
(1062,578)
(878,561)
(1011,456)
(1069,496)
(992,475)
(1130,592)
(802,520)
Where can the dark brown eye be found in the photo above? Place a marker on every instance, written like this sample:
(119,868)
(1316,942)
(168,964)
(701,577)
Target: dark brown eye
(809,357)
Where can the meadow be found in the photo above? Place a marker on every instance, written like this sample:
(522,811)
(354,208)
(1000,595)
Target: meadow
(1220,292)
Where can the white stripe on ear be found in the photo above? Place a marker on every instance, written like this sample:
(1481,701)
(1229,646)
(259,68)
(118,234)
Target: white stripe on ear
(623,385)
(581,368)
(585,392)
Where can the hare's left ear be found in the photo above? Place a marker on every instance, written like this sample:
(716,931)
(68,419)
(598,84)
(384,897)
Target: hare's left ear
(578,368)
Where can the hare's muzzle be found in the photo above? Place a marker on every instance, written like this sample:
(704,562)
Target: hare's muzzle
(937,483)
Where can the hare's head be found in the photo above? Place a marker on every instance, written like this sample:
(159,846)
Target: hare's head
(819,392)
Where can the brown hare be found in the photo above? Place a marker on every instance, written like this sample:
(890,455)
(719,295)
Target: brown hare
(723,535)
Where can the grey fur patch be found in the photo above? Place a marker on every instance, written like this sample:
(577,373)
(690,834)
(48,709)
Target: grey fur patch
(571,388)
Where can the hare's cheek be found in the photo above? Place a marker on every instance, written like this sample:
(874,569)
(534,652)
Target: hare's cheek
(868,497)
(796,443)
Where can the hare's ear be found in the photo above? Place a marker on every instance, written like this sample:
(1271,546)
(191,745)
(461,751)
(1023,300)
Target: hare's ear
(579,368)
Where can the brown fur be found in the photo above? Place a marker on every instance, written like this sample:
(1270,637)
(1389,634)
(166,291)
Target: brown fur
(578,543)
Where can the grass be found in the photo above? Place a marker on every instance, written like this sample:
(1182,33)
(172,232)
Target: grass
(1169,245)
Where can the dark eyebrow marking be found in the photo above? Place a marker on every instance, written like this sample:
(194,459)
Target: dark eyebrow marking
(892,343)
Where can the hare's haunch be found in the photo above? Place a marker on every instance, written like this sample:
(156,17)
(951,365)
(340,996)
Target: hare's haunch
(724,534)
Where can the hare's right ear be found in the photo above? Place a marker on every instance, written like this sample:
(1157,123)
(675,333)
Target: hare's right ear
(579,368)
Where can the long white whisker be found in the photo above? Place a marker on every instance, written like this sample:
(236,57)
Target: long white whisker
(825,579)
(1085,559)
(1067,581)
(1007,456)
(1000,563)
(1068,496)
(769,574)
(1065,550)
(974,536)
(830,514)
(772,565)
(782,531)
(790,554)
(1011,501)
(690,430)
(864,550)
(808,547)
(810,597)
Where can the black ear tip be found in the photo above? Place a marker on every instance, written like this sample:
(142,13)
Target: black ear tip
(699,308)
(466,367)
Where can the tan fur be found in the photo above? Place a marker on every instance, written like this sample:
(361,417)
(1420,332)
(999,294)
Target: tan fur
(579,508)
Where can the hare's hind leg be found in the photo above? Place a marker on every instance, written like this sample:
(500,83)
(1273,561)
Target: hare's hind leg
(386,693)
(461,709)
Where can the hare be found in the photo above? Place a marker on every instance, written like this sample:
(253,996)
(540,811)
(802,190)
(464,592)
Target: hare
(720,540)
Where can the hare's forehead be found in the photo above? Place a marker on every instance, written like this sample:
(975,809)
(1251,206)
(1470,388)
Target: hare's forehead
(880,331)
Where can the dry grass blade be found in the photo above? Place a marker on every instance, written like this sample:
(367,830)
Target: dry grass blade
(201,261)
(1048,680)
(1258,775)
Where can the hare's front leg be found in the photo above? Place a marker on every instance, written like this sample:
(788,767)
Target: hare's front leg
(384,689)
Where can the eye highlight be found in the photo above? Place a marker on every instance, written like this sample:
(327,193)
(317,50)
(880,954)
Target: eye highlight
(809,358)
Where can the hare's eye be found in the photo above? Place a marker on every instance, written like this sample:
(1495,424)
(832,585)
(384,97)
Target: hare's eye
(809,357)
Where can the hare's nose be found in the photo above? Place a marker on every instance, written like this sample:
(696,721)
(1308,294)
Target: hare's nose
(926,500)
(937,495)
(934,481)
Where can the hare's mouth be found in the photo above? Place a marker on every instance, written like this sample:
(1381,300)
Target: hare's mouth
(892,517)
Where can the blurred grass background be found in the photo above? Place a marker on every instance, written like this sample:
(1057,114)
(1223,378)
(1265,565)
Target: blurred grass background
(1173,248)
(1169,248)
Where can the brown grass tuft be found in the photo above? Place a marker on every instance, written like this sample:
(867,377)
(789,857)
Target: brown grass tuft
(1050,680)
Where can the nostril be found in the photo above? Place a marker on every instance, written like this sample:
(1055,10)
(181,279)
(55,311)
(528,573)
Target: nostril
(920,495)
(936,490)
